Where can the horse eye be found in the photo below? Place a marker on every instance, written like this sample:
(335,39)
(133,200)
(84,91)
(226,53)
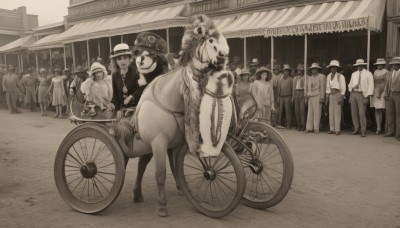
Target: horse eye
(211,41)
(199,30)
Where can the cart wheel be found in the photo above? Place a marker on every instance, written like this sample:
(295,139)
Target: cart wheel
(89,169)
(267,164)
(213,185)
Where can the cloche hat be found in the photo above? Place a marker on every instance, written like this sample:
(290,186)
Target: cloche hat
(120,49)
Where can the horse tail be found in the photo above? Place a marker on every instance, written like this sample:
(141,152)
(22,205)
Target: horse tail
(123,132)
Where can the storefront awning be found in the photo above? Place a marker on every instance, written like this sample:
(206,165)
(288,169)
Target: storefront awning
(336,16)
(47,42)
(21,43)
(125,24)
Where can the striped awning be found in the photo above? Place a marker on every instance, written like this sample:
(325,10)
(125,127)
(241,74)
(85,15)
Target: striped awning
(21,43)
(335,16)
(47,42)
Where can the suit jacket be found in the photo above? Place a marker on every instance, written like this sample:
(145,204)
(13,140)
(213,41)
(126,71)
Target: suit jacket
(316,85)
(391,85)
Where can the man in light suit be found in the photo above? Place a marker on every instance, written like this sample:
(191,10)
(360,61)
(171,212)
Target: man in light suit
(391,92)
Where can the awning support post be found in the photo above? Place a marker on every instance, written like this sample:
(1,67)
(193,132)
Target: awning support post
(5,59)
(51,61)
(22,60)
(368,48)
(272,53)
(37,63)
(19,60)
(98,47)
(65,59)
(122,38)
(73,55)
(88,54)
(168,40)
(109,42)
(305,62)
(244,52)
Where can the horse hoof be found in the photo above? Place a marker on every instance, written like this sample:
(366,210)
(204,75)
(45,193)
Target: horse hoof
(137,198)
(162,211)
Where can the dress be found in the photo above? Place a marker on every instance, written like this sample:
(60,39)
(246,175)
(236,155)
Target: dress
(44,83)
(379,83)
(264,96)
(59,96)
(29,83)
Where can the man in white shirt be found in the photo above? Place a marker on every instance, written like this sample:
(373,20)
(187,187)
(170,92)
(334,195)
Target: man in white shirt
(391,92)
(361,87)
(335,90)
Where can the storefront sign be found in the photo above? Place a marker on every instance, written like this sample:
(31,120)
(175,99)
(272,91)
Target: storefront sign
(96,6)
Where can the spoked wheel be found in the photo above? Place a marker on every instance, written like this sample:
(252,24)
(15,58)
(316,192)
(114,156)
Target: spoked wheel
(213,185)
(267,164)
(89,169)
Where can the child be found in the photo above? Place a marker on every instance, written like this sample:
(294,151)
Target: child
(262,91)
(98,87)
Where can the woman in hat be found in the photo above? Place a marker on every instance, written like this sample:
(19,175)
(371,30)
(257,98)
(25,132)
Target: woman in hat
(378,101)
(59,96)
(299,99)
(262,90)
(44,82)
(335,90)
(243,85)
(315,94)
(124,77)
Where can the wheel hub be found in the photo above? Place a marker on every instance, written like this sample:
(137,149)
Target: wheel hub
(88,170)
(256,166)
(210,174)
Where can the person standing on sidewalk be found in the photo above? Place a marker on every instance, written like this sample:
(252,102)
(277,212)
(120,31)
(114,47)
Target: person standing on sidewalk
(378,101)
(285,88)
(12,89)
(29,83)
(299,98)
(335,90)
(263,94)
(315,95)
(361,87)
(392,96)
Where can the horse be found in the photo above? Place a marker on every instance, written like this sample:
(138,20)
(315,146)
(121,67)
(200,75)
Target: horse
(162,113)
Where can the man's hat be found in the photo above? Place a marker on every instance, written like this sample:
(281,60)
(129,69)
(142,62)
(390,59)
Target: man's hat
(245,71)
(286,67)
(380,61)
(360,62)
(67,70)
(150,42)
(278,67)
(42,70)
(315,66)
(79,69)
(254,62)
(333,63)
(10,67)
(395,60)
(57,69)
(120,49)
(300,67)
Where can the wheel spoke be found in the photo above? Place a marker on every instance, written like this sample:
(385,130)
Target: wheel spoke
(99,151)
(78,184)
(102,184)
(94,144)
(113,174)
(95,184)
(105,178)
(193,167)
(76,152)
(106,165)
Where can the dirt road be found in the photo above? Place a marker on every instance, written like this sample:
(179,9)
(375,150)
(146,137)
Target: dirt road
(344,181)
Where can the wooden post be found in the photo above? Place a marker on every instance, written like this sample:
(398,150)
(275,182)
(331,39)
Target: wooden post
(305,62)
(73,55)
(19,60)
(98,46)
(88,54)
(109,42)
(22,60)
(168,51)
(122,38)
(65,59)
(37,63)
(272,53)
(5,59)
(368,48)
(51,61)
(245,53)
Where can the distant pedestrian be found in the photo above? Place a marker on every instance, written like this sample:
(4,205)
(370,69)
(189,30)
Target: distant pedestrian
(12,89)
(378,101)
(285,88)
(392,96)
(315,95)
(299,98)
(59,95)
(262,90)
(361,87)
(335,91)
(29,83)
(43,97)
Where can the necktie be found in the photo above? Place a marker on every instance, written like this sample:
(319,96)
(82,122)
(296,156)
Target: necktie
(359,81)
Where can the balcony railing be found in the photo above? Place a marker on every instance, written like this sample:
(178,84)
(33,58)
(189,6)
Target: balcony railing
(207,5)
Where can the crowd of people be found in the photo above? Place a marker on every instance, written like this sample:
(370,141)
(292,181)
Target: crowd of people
(287,98)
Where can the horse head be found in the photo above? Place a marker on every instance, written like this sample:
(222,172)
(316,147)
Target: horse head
(203,46)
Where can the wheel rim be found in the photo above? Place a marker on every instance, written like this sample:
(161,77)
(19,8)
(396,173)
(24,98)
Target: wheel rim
(211,181)
(263,166)
(89,170)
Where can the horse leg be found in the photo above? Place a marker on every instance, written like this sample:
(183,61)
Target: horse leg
(159,147)
(137,190)
(172,157)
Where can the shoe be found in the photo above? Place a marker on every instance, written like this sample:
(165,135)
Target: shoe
(378,132)
(356,132)
(34,110)
(316,132)
(363,134)
(388,134)
(337,133)
(307,131)
(280,127)
(331,132)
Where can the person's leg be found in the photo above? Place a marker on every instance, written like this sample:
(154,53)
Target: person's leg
(354,112)
(317,113)
(397,111)
(331,113)
(310,116)
(56,115)
(14,101)
(45,105)
(41,109)
(378,118)
(281,105)
(9,104)
(362,112)
(302,112)
(288,111)
(338,112)
(60,113)
(297,110)
(390,115)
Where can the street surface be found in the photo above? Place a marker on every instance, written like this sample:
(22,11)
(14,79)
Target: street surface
(339,181)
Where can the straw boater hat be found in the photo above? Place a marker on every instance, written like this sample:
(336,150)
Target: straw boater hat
(66,70)
(244,72)
(333,63)
(380,61)
(57,70)
(315,66)
(120,49)
(286,67)
(360,62)
(150,42)
(10,67)
(254,62)
(395,61)
(42,70)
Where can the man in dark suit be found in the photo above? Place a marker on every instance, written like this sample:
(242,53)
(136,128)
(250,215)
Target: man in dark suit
(391,93)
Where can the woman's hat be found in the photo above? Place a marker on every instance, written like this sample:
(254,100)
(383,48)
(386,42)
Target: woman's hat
(42,70)
(380,61)
(334,63)
(97,67)
(120,49)
(254,62)
(150,42)
(315,66)
(263,69)
(286,67)
(360,62)
(245,71)
(395,60)
(79,69)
